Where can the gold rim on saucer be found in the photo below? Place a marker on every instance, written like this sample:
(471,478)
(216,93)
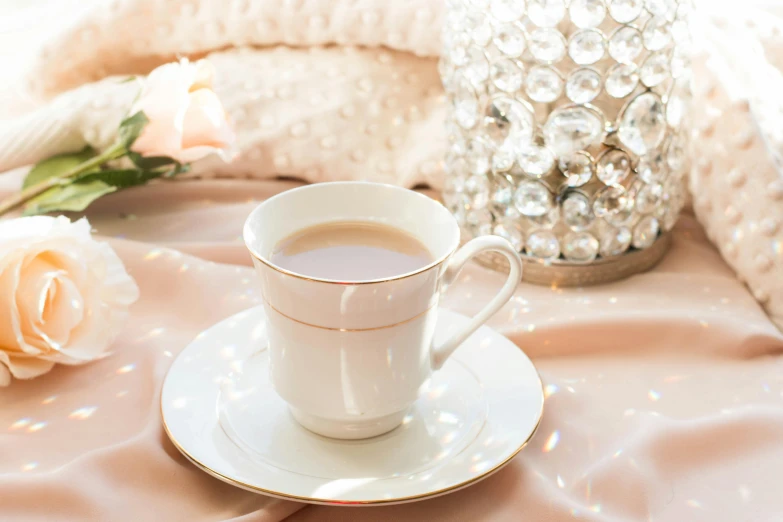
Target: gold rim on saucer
(314,500)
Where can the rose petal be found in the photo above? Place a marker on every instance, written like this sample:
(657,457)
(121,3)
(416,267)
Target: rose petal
(27,238)
(11,338)
(194,154)
(68,295)
(32,227)
(49,303)
(25,367)
(119,289)
(161,137)
(165,86)
(204,76)
(65,313)
(5,375)
(205,122)
(91,339)
(164,102)
(100,326)
(186,119)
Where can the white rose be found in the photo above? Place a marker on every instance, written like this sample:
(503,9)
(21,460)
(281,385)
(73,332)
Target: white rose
(64,297)
(186,119)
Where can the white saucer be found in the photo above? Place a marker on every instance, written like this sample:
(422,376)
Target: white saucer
(471,419)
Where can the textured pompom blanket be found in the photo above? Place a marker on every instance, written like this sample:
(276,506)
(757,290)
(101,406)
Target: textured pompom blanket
(345,89)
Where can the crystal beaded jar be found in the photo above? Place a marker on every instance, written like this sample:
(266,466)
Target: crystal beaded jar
(567,129)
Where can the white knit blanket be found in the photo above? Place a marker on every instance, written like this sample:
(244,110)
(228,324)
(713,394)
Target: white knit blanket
(349,89)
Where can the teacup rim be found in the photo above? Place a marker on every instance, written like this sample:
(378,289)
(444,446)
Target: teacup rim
(316,186)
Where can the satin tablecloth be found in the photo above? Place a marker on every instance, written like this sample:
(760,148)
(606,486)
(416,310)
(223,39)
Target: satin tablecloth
(664,391)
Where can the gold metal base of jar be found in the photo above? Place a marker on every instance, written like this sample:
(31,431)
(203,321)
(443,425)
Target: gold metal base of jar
(566,273)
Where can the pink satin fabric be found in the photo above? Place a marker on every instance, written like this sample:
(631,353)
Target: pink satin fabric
(664,391)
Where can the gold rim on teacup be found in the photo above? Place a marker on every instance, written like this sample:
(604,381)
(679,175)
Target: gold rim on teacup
(434,264)
(334,329)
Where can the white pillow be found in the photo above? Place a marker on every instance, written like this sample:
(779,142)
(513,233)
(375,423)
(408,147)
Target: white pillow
(737,181)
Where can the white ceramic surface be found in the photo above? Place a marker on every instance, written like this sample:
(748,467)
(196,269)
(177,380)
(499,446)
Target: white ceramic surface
(350,357)
(473,416)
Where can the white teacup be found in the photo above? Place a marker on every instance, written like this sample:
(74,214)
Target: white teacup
(350,358)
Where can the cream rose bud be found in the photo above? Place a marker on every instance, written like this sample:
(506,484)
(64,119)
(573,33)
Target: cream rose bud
(64,297)
(186,119)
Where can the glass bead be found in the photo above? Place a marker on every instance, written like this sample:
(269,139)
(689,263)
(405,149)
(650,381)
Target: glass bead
(583,85)
(587,13)
(543,84)
(586,46)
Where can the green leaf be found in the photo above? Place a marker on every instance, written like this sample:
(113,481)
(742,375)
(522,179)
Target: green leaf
(129,79)
(121,178)
(79,194)
(131,128)
(179,168)
(74,198)
(150,163)
(57,165)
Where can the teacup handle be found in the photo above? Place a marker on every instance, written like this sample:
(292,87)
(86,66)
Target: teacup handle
(471,249)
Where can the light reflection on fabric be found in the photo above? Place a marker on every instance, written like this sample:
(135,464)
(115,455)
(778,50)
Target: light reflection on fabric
(83,413)
(552,441)
(154,332)
(125,369)
(19,424)
(617,418)
(38,426)
(692,502)
(153,254)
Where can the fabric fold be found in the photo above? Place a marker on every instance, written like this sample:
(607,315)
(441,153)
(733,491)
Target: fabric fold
(636,376)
